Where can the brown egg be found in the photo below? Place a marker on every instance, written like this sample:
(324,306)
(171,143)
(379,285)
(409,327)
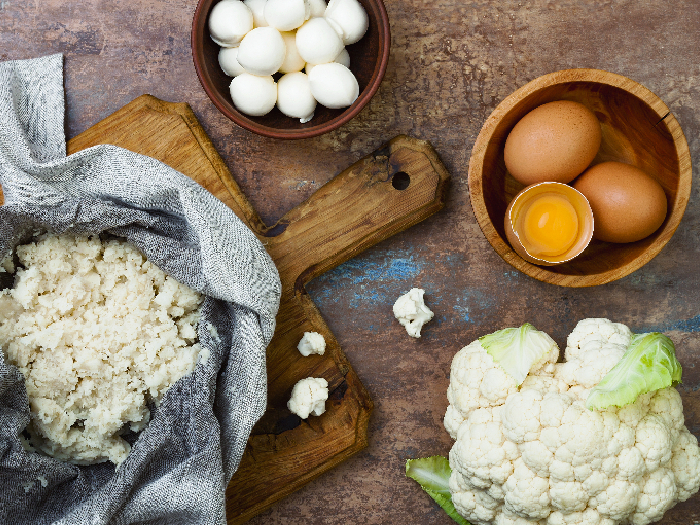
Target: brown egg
(555,142)
(627,204)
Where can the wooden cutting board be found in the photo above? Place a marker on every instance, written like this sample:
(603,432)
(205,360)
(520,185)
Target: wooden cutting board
(386,192)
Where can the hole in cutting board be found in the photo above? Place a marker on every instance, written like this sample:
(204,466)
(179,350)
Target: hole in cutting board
(401,180)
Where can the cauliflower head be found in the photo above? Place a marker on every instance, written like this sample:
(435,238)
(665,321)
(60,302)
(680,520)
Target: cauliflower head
(534,453)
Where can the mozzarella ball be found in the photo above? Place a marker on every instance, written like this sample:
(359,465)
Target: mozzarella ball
(262,51)
(228,62)
(333,85)
(294,97)
(252,95)
(286,15)
(348,18)
(342,58)
(229,21)
(292,60)
(317,41)
(257,7)
(318,7)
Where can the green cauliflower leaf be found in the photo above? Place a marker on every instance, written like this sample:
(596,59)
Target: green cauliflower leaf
(433,475)
(517,349)
(648,364)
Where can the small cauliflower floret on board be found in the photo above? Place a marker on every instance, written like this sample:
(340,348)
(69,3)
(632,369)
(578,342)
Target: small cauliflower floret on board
(411,312)
(597,440)
(312,343)
(308,397)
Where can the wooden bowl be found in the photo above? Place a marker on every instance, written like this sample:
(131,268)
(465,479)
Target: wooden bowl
(637,128)
(368,60)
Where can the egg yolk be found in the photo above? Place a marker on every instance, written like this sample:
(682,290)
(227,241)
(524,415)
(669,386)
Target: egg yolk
(550,226)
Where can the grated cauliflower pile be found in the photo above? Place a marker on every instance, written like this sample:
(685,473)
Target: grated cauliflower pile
(98,333)
(596,440)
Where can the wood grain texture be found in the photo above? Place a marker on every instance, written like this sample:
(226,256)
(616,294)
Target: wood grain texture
(354,211)
(637,128)
(452,62)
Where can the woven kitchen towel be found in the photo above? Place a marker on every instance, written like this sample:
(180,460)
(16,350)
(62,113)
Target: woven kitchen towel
(179,466)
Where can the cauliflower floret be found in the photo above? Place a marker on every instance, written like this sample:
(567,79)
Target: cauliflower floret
(411,312)
(658,494)
(477,380)
(487,464)
(595,329)
(526,493)
(685,465)
(312,343)
(475,505)
(309,397)
(587,517)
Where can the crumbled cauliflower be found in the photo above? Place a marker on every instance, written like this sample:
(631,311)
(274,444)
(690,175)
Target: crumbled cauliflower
(537,455)
(312,343)
(309,397)
(411,312)
(98,333)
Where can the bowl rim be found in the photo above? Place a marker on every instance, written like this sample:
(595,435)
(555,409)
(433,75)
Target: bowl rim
(312,131)
(565,76)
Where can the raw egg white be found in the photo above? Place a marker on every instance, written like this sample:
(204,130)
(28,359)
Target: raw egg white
(555,142)
(628,204)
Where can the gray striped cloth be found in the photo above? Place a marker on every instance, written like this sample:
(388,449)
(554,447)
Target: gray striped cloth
(179,466)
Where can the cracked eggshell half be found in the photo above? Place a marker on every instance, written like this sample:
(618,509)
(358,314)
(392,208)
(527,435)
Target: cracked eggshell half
(292,59)
(348,18)
(228,61)
(294,97)
(229,21)
(333,85)
(253,95)
(262,51)
(257,7)
(286,15)
(318,42)
(549,223)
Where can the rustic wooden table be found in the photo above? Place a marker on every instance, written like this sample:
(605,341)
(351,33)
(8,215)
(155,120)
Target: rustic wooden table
(452,62)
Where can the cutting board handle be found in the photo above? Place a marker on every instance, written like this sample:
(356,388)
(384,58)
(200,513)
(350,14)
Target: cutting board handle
(389,190)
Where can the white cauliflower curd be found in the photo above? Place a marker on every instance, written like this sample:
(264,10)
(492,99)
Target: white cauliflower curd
(308,397)
(596,440)
(98,332)
(411,312)
(312,343)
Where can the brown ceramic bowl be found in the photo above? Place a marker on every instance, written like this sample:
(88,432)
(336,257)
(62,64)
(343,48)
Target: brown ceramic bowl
(368,60)
(637,129)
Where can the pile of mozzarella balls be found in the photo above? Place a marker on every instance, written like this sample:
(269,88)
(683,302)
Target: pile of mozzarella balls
(260,38)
